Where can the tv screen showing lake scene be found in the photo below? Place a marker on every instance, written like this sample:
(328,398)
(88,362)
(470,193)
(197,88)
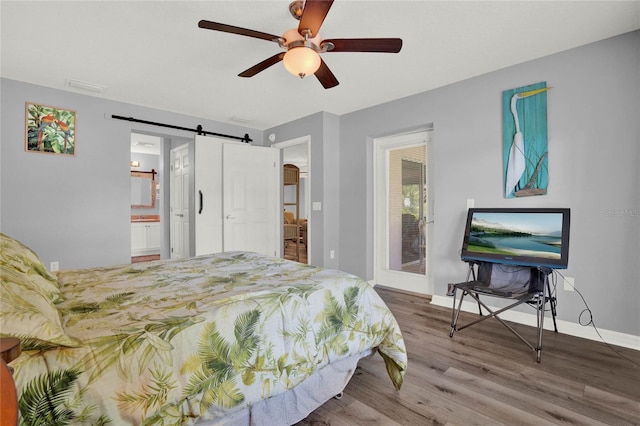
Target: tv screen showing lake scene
(520,237)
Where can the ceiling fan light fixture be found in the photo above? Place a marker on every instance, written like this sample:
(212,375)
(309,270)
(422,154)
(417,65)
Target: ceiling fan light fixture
(292,35)
(302,56)
(301,61)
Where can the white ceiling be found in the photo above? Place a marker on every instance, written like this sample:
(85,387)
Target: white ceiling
(145,144)
(152,53)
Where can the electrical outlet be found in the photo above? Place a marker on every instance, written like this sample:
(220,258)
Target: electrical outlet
(569,284)
(54,266)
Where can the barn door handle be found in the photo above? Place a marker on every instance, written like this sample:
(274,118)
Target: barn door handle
(201,202)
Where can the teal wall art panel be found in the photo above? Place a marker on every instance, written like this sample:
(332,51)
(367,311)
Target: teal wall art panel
(524,140)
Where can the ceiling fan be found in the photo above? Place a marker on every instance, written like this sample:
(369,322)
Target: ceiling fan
(303,45)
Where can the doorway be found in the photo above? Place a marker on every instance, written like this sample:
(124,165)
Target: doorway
(403,212)
(146,240)
(297,152)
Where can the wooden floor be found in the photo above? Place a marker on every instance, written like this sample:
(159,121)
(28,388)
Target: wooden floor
(485,375)
(290,252)
(138,259)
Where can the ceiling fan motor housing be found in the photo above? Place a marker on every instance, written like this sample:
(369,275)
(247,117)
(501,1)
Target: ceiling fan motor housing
(296,9)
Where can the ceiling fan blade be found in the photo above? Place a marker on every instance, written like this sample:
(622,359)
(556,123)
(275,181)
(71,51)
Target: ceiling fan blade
(325,76)
(262,65)
(215,26)
(313,16)
(380,45)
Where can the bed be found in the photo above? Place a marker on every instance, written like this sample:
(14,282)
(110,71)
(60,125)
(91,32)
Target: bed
(230,338)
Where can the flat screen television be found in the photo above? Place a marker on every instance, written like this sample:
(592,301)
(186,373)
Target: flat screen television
(518,236)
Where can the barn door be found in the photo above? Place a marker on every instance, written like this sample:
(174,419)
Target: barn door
(251,198)
(236,197)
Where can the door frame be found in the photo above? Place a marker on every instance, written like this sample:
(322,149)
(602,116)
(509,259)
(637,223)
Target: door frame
(307,185)
(415,283)
(160,201)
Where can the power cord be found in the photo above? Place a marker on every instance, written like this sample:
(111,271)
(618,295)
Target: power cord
(590,321)
(554,290)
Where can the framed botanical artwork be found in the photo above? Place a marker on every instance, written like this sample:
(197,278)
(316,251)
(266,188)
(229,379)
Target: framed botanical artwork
(50,129)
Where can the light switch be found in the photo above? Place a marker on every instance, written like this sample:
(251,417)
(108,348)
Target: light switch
(316,205)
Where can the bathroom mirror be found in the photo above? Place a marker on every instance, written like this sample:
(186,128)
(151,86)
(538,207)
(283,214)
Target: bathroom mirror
(143,189)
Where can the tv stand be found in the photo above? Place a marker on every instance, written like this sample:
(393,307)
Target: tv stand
(537,295)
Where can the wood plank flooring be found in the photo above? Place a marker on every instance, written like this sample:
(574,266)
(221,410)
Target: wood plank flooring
(290,252)
(484,375)
(138,259)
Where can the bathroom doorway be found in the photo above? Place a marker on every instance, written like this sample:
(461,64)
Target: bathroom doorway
(146,175)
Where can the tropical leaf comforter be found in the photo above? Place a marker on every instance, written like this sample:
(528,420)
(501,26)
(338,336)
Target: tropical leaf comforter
(169,342)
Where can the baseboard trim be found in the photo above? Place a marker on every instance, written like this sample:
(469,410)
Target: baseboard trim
(398,290)
(565,327)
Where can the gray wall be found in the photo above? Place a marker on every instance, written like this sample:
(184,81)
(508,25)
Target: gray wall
(76,210)
(594,140)
(322,128)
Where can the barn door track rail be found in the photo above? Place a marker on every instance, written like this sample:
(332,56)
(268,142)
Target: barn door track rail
(198,130)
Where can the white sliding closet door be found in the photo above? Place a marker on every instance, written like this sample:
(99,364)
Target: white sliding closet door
(237,197)
(251,198)
(208,195)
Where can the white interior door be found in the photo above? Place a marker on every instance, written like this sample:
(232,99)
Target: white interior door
(208,195)
(251,188)
(403,212)
(179,202)
(237,197)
